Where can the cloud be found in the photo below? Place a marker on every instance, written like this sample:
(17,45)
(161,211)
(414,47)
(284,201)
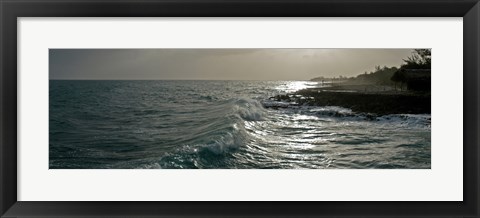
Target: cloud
(224,64)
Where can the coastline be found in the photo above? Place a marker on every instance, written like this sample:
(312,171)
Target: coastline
(370,99)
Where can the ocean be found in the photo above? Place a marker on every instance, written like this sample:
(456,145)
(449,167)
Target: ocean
(200,124)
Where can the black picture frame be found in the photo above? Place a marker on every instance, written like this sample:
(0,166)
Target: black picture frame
(10,10)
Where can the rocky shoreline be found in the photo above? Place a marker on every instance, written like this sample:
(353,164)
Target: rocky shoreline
(374,102)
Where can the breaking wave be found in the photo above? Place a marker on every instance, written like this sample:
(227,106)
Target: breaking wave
(221,124)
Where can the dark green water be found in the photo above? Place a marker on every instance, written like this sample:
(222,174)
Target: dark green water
(220,124)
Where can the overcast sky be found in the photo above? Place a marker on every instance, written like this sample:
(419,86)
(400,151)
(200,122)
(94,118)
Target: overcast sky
(217,64)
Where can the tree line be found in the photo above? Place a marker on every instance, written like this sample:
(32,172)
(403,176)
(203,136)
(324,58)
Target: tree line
(414,72)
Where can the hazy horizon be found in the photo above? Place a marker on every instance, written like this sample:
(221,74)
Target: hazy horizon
(217,64)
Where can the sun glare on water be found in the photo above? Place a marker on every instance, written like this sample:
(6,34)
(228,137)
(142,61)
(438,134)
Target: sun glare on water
(293,86)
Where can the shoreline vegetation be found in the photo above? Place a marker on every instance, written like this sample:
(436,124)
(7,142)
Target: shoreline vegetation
(387,90)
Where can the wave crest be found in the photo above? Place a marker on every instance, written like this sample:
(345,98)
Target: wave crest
(249,110)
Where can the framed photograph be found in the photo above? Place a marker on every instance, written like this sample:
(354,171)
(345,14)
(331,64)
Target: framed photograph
(226,108)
